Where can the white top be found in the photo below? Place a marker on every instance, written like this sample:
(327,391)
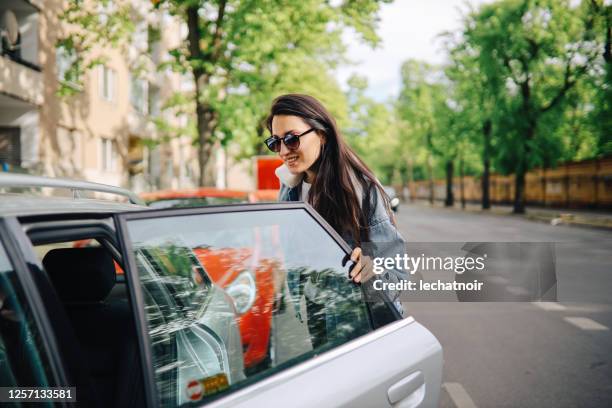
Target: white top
(305,189)
(292,180)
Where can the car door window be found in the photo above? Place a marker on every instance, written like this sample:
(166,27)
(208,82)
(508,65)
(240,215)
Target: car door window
(233,297)
(23,361)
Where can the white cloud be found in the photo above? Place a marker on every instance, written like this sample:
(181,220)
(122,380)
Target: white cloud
(408,29)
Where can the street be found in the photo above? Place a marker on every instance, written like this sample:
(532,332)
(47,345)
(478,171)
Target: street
(523,354)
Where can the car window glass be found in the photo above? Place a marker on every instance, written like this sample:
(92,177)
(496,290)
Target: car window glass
(234,297)
(23,361)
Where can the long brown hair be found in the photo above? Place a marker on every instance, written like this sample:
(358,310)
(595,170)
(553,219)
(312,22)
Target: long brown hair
(338,168)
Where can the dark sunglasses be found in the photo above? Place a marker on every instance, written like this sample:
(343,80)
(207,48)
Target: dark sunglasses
(290,140)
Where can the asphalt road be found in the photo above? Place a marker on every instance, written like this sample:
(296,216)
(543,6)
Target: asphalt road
(523,354)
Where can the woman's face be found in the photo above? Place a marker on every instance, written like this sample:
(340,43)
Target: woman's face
(300,160)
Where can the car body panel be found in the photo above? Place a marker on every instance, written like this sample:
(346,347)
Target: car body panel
(363,372)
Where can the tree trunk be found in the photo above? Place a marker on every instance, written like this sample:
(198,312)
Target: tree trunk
(205,113)
(519,190)
(410,177)
(461,183)
(202,139)
(523,148)
(450,197)
(431,180)
(486,160)
(521,170)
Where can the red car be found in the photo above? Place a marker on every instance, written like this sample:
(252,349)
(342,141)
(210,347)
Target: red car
(194,197)
(251,286)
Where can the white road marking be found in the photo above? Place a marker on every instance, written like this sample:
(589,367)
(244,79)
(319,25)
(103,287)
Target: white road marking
(549,306)
(459,395)
(585,323)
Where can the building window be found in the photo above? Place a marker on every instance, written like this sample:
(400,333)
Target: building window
(10,147)
(139,95)
(108,157)
(154,47)
(154,100)
(106,77)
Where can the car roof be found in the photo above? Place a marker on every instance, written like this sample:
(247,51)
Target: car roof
(28,205)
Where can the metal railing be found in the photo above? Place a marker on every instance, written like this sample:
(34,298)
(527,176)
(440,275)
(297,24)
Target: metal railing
(12,180)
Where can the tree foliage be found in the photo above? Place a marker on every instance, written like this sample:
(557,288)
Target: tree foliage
(522,78)
(240,54)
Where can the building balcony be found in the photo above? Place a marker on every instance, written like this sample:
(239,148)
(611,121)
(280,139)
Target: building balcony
(20,81)
(19,133)
(19,28)
(20,74)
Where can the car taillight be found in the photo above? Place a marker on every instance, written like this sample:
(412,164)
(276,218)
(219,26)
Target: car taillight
(242,290)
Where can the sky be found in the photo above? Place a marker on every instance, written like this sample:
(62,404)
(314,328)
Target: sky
(408,29)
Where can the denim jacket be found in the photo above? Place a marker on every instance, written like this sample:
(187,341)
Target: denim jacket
(384,238)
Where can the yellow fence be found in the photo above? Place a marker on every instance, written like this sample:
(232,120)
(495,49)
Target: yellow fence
(585,184)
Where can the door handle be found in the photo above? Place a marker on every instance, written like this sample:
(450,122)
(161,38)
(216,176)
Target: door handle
(408,392)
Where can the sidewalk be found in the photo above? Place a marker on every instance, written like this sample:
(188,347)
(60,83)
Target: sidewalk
(553,216)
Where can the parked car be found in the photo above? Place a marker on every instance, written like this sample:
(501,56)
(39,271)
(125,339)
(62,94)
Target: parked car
(263,196)
(194,197)
(164,334)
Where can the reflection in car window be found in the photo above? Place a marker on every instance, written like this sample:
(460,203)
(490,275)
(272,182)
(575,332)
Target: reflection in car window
(22,359)
(234,297)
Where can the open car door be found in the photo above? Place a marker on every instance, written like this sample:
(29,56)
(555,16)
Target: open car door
(251,305)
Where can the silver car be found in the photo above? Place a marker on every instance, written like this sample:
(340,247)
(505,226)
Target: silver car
(164,333)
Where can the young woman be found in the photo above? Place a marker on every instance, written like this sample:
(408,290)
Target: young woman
(321,169)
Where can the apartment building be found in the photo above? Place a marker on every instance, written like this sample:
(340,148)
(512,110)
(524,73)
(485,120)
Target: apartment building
(104,131)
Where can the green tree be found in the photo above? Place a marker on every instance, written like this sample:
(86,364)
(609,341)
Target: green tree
(86,26)
(479,95)
(420,103)
(372,131)
(240,54)
(599,22)
(540,50)
(235,45)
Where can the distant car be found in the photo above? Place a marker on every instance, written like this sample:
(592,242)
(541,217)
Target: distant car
(264,196)
(393,198)
(165,334)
